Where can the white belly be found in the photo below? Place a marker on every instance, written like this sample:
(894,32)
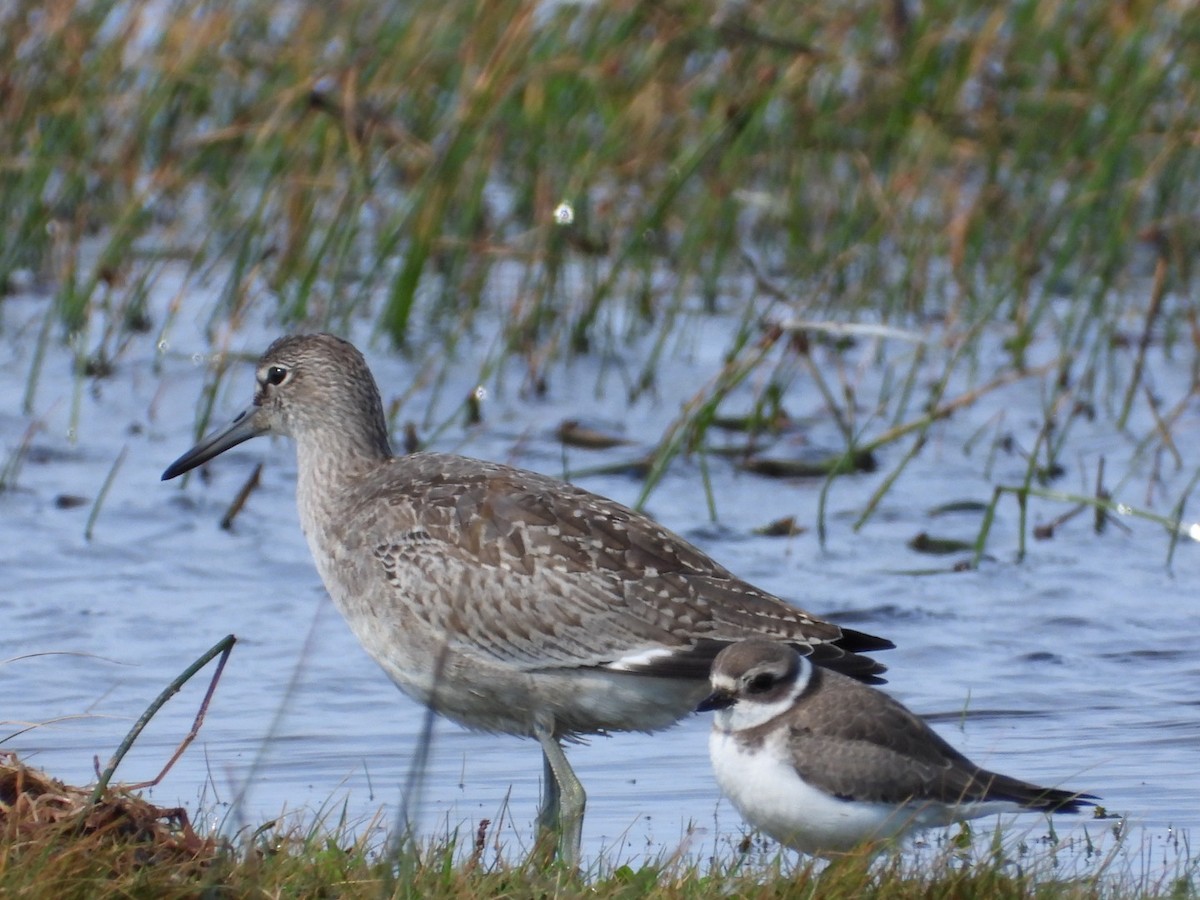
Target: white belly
(769,794)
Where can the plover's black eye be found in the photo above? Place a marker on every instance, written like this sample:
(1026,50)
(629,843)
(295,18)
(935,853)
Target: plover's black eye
(276,375)
(763,681)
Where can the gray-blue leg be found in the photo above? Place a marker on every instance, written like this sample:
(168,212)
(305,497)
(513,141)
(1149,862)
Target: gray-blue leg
(564,800)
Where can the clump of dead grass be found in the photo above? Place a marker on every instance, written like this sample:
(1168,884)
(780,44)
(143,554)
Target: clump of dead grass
(47,827)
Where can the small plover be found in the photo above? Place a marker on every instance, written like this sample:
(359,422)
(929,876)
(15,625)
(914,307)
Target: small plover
(824,764)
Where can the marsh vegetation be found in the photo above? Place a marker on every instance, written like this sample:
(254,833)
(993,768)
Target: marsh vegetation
(897,214)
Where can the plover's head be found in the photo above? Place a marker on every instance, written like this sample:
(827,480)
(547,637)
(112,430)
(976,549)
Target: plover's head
(753,682)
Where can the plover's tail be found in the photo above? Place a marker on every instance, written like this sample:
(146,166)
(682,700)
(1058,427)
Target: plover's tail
(1032,797)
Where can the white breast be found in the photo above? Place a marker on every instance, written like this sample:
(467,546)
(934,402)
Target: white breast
(769,794)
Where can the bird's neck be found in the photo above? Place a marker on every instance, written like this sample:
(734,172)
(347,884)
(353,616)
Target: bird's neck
(329,468)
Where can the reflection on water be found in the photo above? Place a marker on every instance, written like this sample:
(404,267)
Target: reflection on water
(1077,666)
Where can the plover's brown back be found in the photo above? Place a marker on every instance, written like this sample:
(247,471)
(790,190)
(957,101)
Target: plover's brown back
(824,764)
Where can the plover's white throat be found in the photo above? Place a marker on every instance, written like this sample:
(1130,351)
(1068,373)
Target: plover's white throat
(824,764)
(508,601)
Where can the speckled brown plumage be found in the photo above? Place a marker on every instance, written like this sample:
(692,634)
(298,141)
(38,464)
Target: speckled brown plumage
(508,600)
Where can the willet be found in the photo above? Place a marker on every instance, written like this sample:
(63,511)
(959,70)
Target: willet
(824,764)
(507,600)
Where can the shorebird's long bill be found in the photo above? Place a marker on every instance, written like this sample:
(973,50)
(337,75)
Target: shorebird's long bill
(716,700)
(241,429)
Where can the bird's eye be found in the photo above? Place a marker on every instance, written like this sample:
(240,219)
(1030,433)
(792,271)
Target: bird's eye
(763,681)
(276,375)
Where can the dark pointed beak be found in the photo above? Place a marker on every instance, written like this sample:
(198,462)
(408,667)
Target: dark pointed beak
(715,700)
(242,428)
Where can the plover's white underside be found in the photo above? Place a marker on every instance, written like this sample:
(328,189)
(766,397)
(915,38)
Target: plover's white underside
(824,764)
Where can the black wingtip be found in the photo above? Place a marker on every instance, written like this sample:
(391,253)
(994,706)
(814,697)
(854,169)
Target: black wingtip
(861,642)
(1057,801)
(838,659)
(1037,798)
(860,668)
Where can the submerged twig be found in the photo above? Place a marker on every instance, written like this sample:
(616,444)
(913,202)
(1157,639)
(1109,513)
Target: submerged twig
(684,433)
(853,329)
(104,488)
(1172,524)
(1178,528)
(1157,291)
(1101,517)
(574,433)
(1046,531)
(222,648)
(402,839)
(944,410)
(12,465)
(240,500)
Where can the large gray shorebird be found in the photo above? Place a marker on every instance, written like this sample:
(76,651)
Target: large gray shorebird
(508,601)
(824,764)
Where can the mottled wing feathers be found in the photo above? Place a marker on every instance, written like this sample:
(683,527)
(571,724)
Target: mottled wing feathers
(540,573)
(528,620)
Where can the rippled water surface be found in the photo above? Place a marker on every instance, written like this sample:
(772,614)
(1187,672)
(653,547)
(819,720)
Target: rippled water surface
(1076,666)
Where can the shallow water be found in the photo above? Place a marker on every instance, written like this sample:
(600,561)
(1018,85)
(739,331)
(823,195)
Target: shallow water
(1078,666)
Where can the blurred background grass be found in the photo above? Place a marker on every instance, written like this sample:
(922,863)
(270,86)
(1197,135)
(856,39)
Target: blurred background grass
(947,167)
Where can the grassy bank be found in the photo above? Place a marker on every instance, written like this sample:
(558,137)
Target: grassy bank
(56,841)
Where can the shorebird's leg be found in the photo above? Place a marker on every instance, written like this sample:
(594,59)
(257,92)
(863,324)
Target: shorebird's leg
(548,812)
(563,805)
